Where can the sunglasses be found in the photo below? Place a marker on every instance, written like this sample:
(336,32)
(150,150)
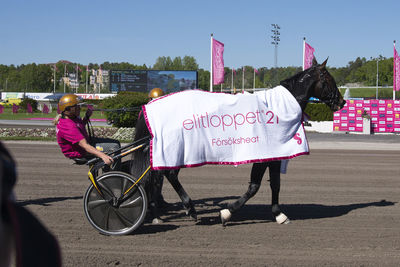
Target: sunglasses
(70,107)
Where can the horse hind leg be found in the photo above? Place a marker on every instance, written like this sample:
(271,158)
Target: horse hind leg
(257,173)
(226,214)
(172,177)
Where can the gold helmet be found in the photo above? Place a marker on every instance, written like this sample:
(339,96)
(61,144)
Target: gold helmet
(68,100)
(156,92)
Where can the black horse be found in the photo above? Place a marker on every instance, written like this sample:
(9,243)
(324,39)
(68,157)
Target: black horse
(313,82)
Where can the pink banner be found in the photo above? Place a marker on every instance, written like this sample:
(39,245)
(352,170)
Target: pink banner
(218,62)
(15,108)
(45,109)
(308,55)
(396,71)
(29,108)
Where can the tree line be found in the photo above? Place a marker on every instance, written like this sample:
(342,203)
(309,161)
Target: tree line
(40,77)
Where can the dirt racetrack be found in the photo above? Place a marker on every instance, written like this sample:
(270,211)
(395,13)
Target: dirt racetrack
(343,205)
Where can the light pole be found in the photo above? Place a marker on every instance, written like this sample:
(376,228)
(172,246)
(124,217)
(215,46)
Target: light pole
(275,40)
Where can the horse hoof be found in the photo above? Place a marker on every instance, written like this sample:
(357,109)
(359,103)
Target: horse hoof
(157,221)
(282,219)
(225,216)
(192,214)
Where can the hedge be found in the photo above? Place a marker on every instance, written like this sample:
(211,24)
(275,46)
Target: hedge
(319,112)
(124,100)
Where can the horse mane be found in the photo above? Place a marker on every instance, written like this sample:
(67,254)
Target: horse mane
(300,84)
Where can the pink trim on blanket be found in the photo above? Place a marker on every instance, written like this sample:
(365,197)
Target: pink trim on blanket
(228,163)
(151,133)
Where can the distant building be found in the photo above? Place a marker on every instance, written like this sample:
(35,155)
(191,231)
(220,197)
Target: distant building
(100,79)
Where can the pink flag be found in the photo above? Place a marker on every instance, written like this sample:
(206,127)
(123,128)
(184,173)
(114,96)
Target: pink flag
(1,109)
(234,71)
(29,108)
(396,71)
(218,62)
(45,109)
(255,70)
(15,108)
(308,56)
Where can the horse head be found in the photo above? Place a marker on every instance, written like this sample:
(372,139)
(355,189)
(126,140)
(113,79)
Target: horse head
(315,82)
(325,88)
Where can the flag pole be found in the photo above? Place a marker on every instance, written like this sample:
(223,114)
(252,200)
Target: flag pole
(87,72)
(304,49)
(394,72)
(232,82)
(54,87)
(65,72)
(254,79)
(76,70)
(242,79)
(211,66)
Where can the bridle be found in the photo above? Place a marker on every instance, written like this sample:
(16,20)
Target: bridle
(328,96)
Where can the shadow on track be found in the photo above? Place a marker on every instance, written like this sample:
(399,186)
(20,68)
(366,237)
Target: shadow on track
(259,213)
(210,207)
(45,201)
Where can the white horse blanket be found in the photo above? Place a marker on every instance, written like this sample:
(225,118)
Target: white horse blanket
(192,128)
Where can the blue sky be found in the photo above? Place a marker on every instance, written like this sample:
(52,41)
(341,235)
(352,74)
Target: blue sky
(140,31)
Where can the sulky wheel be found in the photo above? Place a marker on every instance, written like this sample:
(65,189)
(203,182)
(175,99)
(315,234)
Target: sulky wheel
(112,213)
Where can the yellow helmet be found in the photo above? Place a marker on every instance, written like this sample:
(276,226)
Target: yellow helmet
(68,100)
(156,92)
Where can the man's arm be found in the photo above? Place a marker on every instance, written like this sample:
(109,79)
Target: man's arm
(90,149)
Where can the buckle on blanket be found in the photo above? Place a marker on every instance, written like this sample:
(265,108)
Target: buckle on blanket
(146,148)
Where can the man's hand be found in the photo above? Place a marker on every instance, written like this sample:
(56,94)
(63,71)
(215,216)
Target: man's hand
(88,113)
(107,159)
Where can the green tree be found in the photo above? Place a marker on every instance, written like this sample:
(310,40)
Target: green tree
(203,79)
(163,63)
(189,63)
(177,64)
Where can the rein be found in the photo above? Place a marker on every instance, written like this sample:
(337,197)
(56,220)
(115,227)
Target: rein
(131,109)
(328,96)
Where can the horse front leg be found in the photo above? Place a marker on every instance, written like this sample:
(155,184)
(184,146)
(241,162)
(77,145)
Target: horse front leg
(257,173)
(172,177)
(275,184)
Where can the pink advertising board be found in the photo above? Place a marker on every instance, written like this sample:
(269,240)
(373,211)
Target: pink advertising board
(384,114)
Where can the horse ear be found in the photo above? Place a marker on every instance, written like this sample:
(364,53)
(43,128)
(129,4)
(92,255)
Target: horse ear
(314,62)
(323,65)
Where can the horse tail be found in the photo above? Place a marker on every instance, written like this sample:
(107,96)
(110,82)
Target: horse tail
(140,157)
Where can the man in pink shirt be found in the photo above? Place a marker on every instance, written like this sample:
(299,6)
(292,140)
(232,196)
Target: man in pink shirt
(72,136)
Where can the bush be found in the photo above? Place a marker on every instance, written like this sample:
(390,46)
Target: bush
(32,102)
(124,100)
(319,112)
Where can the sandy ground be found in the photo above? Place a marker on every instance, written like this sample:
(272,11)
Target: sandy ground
(343,203)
